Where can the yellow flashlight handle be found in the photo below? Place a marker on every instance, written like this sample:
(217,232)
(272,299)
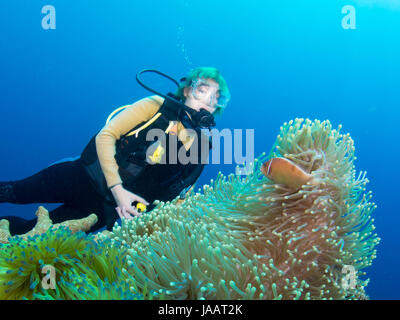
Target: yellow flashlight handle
(141,207)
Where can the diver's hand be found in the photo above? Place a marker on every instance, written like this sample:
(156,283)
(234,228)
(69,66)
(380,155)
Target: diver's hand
(124,199)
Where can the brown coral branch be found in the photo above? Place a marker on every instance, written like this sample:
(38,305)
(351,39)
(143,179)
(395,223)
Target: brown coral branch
(44,223)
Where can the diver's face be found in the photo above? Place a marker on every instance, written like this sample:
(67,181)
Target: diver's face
(203,95)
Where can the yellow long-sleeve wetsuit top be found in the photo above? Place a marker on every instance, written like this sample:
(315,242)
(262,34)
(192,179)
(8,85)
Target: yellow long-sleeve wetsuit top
(121,124)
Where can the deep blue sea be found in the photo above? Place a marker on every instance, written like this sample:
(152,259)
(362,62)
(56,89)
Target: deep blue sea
(281,59)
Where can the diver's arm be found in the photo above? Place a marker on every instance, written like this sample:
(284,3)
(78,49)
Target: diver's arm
(121,124)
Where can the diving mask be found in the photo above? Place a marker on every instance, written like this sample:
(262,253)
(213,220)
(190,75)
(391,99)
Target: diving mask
(208,93)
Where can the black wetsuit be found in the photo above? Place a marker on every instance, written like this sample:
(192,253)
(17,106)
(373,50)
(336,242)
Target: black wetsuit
(67,183)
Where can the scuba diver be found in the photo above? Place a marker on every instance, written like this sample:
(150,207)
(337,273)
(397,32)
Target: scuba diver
(120,173)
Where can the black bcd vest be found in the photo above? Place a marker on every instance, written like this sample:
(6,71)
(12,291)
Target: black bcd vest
(150,181)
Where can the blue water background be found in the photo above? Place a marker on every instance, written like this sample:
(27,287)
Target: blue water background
(282,60)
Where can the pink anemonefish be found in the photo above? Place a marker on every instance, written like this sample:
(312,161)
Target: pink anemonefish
(284,171)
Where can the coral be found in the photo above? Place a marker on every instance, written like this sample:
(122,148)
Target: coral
(84,269)
(250,238)
(44,223)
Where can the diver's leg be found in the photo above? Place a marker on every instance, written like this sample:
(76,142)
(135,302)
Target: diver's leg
(62,213)
(19,225)
(106,215)
(67,183)
(66,212)
(59,183)
(105,212)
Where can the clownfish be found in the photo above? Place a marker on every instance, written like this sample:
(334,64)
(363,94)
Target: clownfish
(284,171)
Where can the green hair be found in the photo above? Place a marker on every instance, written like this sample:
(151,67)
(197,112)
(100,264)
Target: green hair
(206,73)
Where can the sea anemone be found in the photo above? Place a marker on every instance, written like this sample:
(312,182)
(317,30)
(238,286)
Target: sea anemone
(237,238)
(251,238)
(84,269)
